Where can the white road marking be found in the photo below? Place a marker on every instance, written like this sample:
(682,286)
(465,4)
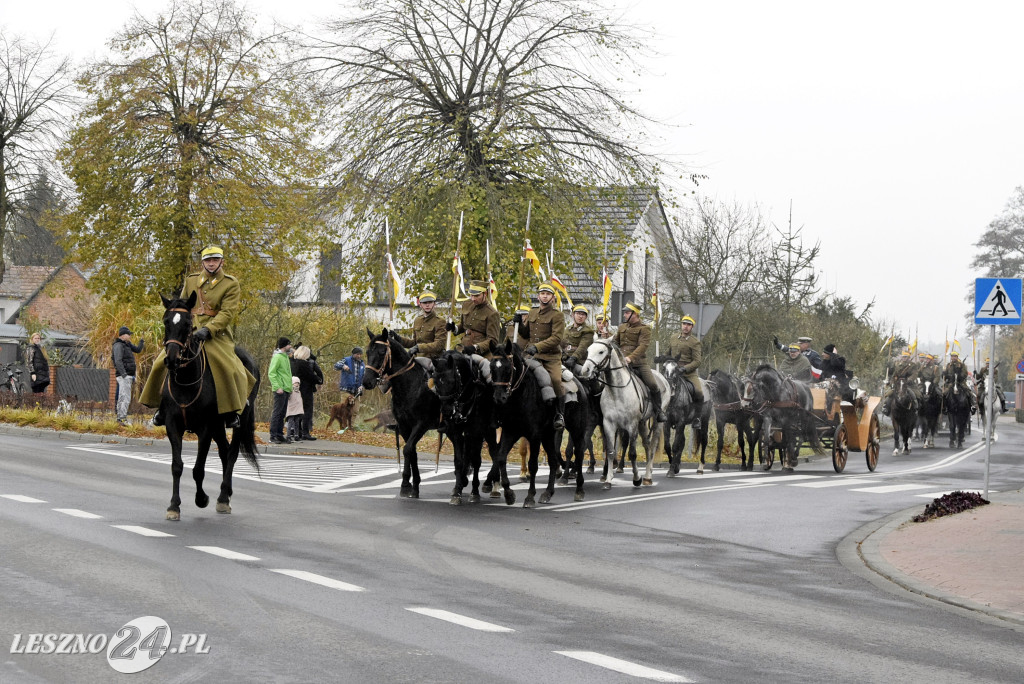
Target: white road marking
(320,579)
(75,513)
(936,495)
(887,489)
(21,498)
(623,666)
(462,620)
(642,498)
(144,531)
(722,473)
(839,482)
(225,553)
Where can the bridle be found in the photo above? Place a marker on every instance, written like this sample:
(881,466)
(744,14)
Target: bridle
(604,366)
(383,378)
(461,410)
(184,362)
(513,382)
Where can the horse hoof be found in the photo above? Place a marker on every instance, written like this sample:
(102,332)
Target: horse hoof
(455,501)
(671,472)
(648,482)
(606,485)
(700,469)
(495,493)
(405,492)
(618,469)
(590,470)
(202,500)
(223,508)
(529,503)
(173,515)
(414,495)
(637,483)
(716,467)
(510,496)
(487,487)
(787,469)
(474,498)
(578,496)
(524,478)
(545,497)
(603,478)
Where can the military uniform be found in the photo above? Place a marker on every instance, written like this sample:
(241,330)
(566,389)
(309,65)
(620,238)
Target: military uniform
(217,300)
(578,339)
(907,370)
(798,367)
(480,326)
(634,339)
(956,374)
(930,372)
(545,329)
(687,349)
(428,334)
(980,375)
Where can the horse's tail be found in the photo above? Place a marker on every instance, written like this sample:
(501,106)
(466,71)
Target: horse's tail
(244,439)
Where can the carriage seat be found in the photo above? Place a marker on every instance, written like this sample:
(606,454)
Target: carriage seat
(547,392)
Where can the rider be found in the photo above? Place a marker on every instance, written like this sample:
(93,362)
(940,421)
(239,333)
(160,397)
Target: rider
(217,301)
(956,374)
(796,365)
(578,338)
(980,376)
(930,371)
(545,328)
(686,348)
(480,322)
(604,329)
(634,337)
(428,330)
(906,369)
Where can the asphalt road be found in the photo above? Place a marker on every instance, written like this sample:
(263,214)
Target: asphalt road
(322,574)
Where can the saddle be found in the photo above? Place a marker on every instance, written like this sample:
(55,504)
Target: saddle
(547,392)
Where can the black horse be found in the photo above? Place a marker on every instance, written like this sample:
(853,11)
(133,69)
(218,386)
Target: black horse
(928,415)
(904,414)
(517,398)
(467,406)
(579,426)
(683,412)
(725,396)
(415,407)
(592,388)
(189,404)
(785,405)
(958,410)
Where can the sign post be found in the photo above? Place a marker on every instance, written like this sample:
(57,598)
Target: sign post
(997,301)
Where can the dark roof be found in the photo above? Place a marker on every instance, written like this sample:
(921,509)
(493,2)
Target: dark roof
(21,282)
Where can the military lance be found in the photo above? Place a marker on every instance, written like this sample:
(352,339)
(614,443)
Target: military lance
(455,282)
(522,273)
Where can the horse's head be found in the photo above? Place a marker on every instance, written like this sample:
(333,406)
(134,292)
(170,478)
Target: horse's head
(453,380)
(761,386)
(723,387)
(177,328)
(599,355)
(506,362)
(380,358)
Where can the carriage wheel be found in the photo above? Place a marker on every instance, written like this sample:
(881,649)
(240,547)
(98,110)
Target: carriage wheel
(874,443)
(840,448)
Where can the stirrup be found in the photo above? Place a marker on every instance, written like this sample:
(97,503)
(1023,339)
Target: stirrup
(231,421)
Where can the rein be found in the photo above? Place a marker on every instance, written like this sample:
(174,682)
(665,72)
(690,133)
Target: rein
(200,355)
(385,378)
(514,383)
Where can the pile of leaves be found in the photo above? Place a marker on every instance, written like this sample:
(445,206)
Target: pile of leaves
(948,504)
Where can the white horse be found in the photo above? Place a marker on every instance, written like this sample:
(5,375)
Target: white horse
(627,409)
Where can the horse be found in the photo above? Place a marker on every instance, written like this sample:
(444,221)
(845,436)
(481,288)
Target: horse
(467,406)
(682,411)
(958,409)
(782,402)
(625,407)
(904,415)
(415,407)
(517,399)
(928,415)
(189,404)
(725,396)
(593,393)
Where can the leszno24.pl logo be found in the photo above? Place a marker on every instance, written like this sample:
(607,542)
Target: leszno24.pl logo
(138,645)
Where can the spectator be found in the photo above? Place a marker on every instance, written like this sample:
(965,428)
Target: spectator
(304,367)
(352,368)
(38,365)
(280,375)
(123,355)
(295,413)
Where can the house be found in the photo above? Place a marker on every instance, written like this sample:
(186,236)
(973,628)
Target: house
(630,219)
(55,297)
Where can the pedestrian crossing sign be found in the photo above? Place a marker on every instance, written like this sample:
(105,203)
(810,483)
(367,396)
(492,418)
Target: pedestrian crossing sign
(997,301)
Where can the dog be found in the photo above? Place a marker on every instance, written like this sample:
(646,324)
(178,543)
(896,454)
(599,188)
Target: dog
(342,412)
(385,420)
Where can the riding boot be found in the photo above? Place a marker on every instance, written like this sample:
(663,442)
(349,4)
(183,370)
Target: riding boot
(158,418)
(656,400)
(231,421)
(559,421)
(698,407)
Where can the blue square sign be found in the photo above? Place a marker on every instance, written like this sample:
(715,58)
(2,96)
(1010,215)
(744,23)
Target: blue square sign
(997,301)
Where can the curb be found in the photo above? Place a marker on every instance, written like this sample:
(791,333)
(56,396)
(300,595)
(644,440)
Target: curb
(859,553)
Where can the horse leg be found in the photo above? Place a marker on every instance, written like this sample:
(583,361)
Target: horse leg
(701,437)
(228,456)
(199,469)
(531,493)
(667,439)
(551,447)
(524,464)
(177,467)
(459,446)
(610,452)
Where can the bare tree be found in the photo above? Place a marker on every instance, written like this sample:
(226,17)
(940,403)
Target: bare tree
(789,276)
(478,106)
(35,98)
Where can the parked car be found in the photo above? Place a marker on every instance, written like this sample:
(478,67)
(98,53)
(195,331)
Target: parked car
(1011,400)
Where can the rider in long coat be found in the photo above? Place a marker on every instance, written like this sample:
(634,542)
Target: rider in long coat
(687,349)
(796,365)
(980,375)
(217,299)
(545,328)
(480,324)
(634,338)
(905,369)
(428,330)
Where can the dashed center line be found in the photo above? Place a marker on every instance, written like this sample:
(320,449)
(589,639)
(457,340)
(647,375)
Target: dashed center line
(21,498)
(225,553)
(76,513)
(462,620)
(623,666)
(144,531)
(320,579)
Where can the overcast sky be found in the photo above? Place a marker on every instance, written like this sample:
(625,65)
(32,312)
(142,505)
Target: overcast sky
(893,128)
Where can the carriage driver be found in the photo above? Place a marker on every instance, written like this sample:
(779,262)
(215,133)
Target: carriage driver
(480,322)
(213,318)
(796,365)
(428,330)
(905,369)
(634,337)
(956,374)
(578,338)
(545,328)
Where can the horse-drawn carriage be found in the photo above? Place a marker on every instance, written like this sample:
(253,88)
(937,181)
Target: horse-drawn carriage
(823,420)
